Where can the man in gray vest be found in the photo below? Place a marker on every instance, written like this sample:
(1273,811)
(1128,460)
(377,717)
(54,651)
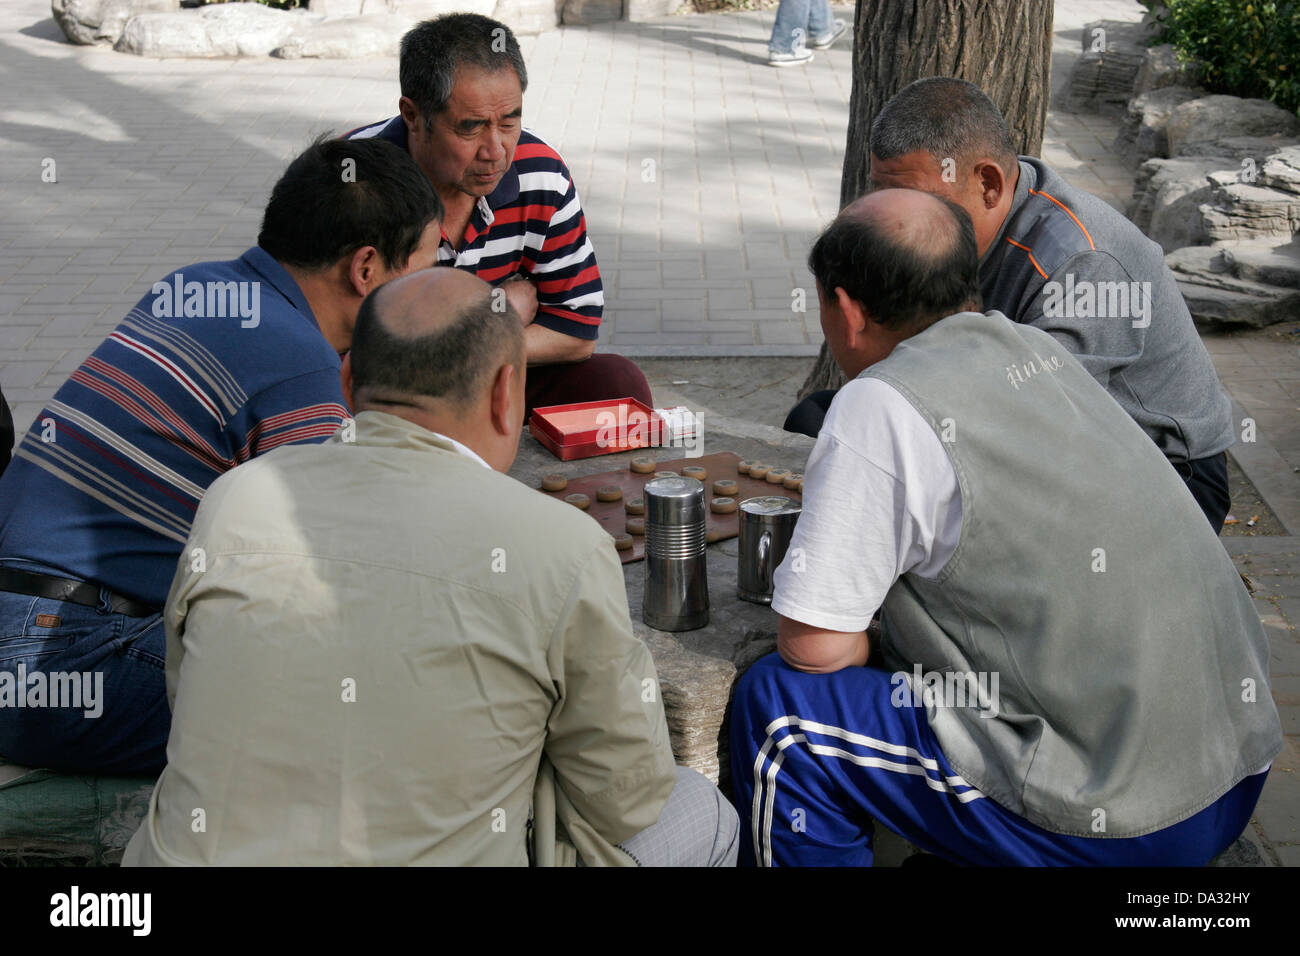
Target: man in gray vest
(1072,670)
(1066,262)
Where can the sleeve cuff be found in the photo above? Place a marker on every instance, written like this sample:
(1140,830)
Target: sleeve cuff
(561,322)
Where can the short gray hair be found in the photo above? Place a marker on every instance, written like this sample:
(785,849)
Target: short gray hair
(434,50)
(945,117)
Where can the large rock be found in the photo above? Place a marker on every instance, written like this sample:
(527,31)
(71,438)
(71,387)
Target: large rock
(1142,132)
(1212,118)
(529,16)
(227,29)
(378,34)
(1244,211)
(578,12)
(1161,68)
(1168,195)
(1103,77)
(1217,296)
(1260,262)
(88,22)
(637,10)
(1282,170)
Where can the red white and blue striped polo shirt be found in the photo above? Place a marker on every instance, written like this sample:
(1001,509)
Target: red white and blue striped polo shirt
(219,363)
(532,224)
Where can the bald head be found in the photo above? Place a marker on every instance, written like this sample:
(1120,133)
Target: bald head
(907,256)
(430,338)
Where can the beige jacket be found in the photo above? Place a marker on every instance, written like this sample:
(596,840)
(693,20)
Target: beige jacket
(371,647)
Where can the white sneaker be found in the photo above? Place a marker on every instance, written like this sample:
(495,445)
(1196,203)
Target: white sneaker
(837,31)
(800,55)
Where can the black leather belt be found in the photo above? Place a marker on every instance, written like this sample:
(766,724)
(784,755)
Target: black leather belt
(67,589)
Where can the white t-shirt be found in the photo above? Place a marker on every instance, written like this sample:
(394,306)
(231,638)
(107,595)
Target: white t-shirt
(880,499)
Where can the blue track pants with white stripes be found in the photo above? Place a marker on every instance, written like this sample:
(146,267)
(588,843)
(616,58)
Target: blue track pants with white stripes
(816,758)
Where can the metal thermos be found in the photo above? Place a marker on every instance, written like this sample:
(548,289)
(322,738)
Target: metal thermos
(766,525)
(676,579)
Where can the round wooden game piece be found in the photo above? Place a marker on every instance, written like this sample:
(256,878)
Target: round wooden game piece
(792,480)
(777,475)
(642,466)
(554,483)
(744,466)
(578,501)
(798,486)
(723,506)
(759,470)
(667,474)
(636,525)
(609,493)
(694,471)
(725,486)
(623,542)
(634,506)
(712,535)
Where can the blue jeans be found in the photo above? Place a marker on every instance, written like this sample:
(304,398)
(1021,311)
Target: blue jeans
(801,20)
(82,689)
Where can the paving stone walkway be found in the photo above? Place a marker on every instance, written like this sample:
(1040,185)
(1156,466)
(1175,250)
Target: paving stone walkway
(704,173)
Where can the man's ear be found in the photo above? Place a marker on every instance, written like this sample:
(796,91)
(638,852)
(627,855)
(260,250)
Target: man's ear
(992,182)
(345,375)
(855,318)
(506,385)
(410,112)
(365,270)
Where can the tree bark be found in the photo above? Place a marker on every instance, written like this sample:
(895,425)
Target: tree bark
(1002,46)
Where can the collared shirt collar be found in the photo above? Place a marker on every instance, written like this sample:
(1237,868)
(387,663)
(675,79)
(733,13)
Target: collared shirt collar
(261,262)
(381,428)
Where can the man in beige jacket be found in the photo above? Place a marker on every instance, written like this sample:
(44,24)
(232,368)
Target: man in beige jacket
(383,650)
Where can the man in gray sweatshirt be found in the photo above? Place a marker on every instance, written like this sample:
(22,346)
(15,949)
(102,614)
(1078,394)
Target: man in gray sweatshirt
(1062,260)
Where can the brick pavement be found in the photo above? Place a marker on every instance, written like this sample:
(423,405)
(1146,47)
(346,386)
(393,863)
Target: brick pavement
(704,174)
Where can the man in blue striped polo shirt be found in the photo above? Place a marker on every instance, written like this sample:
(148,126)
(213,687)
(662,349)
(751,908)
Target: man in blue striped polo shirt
(512,215)
(219,363)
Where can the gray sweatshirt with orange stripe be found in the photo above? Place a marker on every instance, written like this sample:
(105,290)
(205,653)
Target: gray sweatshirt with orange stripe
(1071,265)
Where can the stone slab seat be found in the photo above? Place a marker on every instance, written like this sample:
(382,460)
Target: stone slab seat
(55,819)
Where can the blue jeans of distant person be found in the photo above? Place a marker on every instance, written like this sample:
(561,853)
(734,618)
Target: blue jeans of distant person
(91,682)
(799,23)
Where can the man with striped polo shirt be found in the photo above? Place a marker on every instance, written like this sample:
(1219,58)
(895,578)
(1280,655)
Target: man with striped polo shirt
(219,363)
(512,212)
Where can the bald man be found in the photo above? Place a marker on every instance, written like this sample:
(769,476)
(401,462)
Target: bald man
(386,651)
(1061,677)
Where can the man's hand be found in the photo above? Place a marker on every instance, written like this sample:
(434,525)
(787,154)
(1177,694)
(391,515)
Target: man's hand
(522,296)
(817,651)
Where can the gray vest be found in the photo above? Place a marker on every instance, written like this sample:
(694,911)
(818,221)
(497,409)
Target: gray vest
(1131,668)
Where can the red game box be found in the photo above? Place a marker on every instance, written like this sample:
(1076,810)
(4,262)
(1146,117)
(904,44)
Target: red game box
(587,429)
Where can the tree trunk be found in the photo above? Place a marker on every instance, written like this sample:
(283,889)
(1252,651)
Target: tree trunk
(1002,46)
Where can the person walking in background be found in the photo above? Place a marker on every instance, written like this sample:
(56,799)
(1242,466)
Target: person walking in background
(802,26)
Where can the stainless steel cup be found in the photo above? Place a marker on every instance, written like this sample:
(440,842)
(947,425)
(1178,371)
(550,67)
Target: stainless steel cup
(676,579)
(766,525)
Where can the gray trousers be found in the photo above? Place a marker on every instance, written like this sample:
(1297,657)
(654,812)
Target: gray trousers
(697,827)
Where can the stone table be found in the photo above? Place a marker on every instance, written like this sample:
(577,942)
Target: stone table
(697,669)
